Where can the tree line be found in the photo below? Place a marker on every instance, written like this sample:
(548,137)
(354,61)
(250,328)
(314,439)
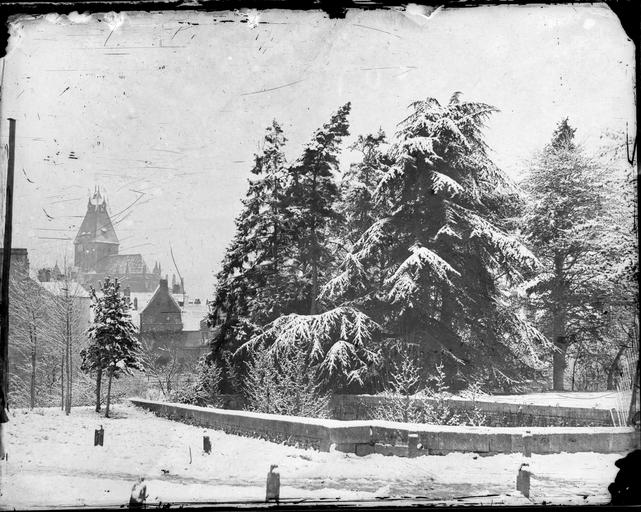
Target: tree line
(424,247)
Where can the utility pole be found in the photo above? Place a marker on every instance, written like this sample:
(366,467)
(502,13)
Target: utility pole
(4,290)
(68,346)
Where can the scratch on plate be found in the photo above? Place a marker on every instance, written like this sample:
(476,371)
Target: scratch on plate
(272,88)
(376,29)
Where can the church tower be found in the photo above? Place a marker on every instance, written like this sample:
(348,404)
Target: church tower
(96,239)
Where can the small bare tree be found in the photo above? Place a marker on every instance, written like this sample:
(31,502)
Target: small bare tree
(165,363)
(30,339)
(67,326)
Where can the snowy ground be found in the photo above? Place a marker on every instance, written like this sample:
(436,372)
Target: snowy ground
(52,462)
(588,399)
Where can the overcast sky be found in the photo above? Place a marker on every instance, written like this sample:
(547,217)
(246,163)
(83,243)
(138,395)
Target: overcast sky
(164,111)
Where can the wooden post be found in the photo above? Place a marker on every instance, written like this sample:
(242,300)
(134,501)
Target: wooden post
(527,444)
(6,264)
(412,445)
(523,480)
(206,444)
(99,436)
(273,484)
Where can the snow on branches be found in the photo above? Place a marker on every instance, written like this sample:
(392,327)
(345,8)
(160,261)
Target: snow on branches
(337,340)
(422,259)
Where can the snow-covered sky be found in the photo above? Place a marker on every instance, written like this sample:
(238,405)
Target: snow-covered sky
(165,110)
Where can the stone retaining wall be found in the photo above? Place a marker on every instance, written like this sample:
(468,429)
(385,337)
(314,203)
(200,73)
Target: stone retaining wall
(390,438)
(497,414)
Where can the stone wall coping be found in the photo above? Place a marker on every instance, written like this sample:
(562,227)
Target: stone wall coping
(410,427)
(487,403)
(247,414)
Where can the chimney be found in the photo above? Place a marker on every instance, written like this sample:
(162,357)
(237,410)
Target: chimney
(19,260)
(164,285)
(136,303)
(127,292)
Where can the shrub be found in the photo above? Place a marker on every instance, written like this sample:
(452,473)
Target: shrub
(204,389)
(284,384)
(474,417)
(407,400)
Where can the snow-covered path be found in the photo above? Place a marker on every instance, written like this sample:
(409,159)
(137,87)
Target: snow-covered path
(52,462)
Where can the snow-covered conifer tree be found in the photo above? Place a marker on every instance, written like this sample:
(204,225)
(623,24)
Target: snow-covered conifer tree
(252,286)
(113,345)
(564,204)
(335,340)
(443,232)
(313,193)
(575,225)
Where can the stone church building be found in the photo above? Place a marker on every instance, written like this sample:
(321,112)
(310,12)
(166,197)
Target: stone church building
(167,318)
(97,255)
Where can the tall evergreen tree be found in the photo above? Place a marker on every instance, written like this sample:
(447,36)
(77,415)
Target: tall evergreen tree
(252,286)
(334,338)
(565,225)
(113,345)
(443,232)
(313,193)
(358,206)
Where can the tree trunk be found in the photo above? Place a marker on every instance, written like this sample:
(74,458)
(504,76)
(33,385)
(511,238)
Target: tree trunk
(33,377)
(68,400)
(558,326)
(62,379)
(314,306)
(111,374)
(576,360)
(558,366)
(634,409)
(34,345)
(98,385)
(611,386)
(68,313)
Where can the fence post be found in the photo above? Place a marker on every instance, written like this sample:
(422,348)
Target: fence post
(523,480)
(527,444)
(99,436)
(412,445)
(273,484)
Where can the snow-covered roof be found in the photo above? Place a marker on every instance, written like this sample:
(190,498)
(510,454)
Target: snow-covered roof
(57,288)
(123,264)
(191,314)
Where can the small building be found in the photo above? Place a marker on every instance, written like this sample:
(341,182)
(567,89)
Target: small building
(79,297)
(170,322)
(19,261)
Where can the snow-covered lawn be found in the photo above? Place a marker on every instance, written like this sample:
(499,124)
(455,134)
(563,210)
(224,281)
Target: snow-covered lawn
(587,399)
(52,462)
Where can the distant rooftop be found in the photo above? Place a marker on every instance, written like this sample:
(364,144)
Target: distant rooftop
(191,313)
(57,288)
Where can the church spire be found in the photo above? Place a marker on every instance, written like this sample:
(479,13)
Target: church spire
(96,238)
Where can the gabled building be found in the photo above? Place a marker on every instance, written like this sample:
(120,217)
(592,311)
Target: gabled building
(170,322)
(96,252)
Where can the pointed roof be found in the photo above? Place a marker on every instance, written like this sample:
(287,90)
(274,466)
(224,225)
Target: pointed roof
(96,226)
(162,295)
